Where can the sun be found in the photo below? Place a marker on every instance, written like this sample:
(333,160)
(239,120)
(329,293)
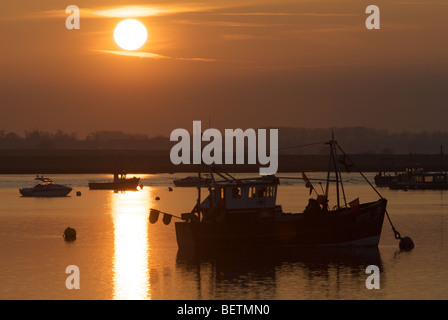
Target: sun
(130,34)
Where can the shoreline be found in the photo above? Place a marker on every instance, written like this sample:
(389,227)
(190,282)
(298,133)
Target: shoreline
(158,161)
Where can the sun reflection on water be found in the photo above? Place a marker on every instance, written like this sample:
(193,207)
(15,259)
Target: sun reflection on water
(130,212)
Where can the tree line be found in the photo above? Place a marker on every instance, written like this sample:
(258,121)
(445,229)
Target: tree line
(354,140)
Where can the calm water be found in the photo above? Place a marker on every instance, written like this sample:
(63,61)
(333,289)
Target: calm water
(121,256)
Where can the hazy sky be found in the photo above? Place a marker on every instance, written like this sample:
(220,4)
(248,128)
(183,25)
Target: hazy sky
(242,64)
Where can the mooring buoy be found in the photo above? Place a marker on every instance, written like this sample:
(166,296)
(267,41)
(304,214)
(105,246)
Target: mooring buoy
(69,234)
(78,193)
(406,244)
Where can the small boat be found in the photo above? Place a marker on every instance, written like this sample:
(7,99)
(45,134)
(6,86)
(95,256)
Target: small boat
(120,183)
(193,182)
(383,179)
(46,188)
(244,213)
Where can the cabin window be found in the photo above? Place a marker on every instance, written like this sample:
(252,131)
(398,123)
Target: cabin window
(236,193)
(271,192)
(261,192)
(252,192)
(222,193)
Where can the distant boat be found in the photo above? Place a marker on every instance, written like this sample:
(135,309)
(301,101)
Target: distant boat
(417,178)
(193,182)
(47,188)
(120,183)
(383,179)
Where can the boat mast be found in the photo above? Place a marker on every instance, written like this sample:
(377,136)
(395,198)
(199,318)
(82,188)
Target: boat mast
(441,158)
(333,157)
(328,179)
(198,204)
(338,171)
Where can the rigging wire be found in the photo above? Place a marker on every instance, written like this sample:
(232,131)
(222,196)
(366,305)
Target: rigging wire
(396,233)
(301,146)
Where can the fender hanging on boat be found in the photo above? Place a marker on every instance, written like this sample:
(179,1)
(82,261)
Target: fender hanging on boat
(153,215)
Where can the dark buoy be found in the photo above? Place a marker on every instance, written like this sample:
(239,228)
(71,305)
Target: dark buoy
(69,234)
(78,193)
(406,244)
(170,189)
(157,198)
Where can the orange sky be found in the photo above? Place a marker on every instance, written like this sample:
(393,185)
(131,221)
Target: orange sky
(243,64)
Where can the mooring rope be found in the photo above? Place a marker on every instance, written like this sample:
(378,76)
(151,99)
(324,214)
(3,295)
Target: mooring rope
(396,233)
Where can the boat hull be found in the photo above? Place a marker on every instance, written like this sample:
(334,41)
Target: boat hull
(361,228)
(384,181)
(130,184)
(30,192)
(418,186)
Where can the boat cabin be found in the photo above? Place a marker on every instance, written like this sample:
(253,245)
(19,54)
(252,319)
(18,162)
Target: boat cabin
(419,179)
(44,181)
(414,170)
(118,177)
(240,199)
(247,196)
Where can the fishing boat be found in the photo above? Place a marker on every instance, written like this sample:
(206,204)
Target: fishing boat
(244,213)
(383,179)
(417,178)
(192,182)
(46,188)
(120,183)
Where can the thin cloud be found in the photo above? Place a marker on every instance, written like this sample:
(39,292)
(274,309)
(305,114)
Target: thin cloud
(149,55)
(241,37)
(235,24)
(129,12)
(293,14)
(136,11)
(138,54)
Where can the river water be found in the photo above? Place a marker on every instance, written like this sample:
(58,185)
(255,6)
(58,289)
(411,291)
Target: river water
(120,255)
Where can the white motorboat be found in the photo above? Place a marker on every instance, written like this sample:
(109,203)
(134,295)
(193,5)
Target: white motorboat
(47,188)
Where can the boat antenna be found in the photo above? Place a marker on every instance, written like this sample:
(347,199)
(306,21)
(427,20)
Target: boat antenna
(406,243)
